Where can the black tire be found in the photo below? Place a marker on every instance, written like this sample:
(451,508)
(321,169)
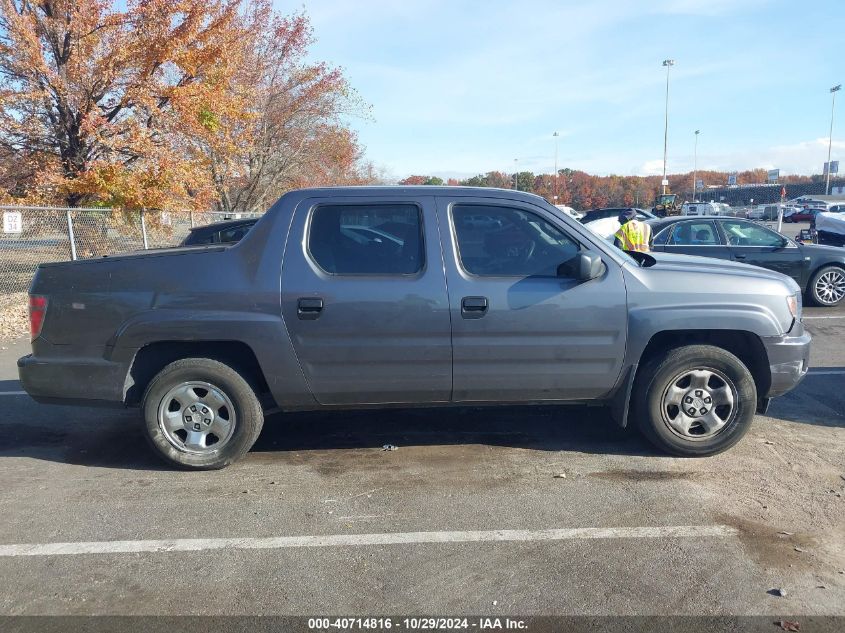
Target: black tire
(248,416)
(813,291)
(654,380)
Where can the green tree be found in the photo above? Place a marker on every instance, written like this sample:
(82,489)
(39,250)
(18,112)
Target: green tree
(525,179)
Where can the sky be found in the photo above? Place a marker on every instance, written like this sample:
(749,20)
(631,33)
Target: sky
(463,87)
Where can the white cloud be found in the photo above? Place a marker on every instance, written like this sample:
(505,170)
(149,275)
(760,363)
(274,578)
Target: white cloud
(803,157)
(652,167)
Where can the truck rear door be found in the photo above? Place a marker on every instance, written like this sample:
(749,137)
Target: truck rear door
(364,300)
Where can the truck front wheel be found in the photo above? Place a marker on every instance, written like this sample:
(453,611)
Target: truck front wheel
(695,400)
(201,414)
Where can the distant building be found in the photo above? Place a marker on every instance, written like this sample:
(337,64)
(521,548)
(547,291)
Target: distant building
(739,195)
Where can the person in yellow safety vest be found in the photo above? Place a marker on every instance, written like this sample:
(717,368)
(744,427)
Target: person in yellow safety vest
(634,234)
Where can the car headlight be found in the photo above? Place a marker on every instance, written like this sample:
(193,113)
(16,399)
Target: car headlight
(794,304)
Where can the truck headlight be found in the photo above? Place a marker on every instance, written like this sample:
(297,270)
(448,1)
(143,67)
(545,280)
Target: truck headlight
(794,304)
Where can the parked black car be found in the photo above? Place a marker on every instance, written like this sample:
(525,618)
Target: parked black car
(819,270)
(219,233)
(613,212)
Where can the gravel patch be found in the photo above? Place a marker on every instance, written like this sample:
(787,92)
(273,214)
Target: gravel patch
(14,320)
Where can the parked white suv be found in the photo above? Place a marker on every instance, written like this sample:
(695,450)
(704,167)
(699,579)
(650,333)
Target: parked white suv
(700,208)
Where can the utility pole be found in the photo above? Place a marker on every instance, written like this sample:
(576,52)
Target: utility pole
(833,92)
(516,174)
(695,167)
(556,136)
(668,63)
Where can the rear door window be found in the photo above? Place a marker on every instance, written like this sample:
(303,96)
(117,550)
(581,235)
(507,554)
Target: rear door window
(384,239)
(695,234)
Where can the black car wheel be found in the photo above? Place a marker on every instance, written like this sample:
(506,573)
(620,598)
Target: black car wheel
(827,287)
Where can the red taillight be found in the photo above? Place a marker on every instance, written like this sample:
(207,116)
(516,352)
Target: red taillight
(37,310)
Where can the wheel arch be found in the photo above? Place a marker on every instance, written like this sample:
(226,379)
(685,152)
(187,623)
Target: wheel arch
(150,359)
(746,346)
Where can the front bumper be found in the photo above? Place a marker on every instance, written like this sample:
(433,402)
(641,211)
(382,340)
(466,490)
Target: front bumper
(789,359)
(91,382)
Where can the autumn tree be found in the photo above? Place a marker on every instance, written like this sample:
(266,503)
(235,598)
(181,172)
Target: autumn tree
(413,180)
(421,180)
(159,102)
(497,179)
(96,103)
(296,133)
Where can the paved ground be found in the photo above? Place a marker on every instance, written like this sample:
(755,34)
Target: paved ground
(69,475)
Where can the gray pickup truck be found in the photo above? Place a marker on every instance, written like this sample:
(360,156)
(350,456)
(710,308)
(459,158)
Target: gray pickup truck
(412,296)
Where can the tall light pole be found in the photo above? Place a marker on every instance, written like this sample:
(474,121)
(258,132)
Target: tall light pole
(668,63)
(556,137)
(833,92)
(695,167)
(515,174)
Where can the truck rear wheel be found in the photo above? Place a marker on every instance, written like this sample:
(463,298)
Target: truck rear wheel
(201,414)
(695,400)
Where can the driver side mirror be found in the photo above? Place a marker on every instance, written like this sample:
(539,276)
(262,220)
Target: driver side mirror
(585,266)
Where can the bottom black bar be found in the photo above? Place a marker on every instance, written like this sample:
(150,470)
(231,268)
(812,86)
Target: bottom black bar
(309,624)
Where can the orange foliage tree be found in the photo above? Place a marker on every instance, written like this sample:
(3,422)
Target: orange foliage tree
(295,135)
(96,102)
(153,103)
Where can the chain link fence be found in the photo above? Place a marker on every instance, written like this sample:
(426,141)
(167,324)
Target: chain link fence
(34,235)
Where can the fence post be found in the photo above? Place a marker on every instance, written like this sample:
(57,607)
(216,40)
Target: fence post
(70,235)
(192,218)
(144,230)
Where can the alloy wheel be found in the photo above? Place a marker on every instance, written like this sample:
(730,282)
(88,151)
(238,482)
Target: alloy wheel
(197,417)
(830,286)
(698,403)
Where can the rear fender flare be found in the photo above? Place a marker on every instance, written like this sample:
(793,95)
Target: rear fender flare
(264,334)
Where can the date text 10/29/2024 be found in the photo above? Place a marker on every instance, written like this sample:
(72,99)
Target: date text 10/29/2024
(416,624)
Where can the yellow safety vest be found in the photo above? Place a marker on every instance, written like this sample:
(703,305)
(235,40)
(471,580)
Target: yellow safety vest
(634,236)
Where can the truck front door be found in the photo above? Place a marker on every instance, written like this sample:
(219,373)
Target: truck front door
(364,300)
(522,331)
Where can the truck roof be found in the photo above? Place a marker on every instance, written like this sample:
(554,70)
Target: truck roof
(428,190)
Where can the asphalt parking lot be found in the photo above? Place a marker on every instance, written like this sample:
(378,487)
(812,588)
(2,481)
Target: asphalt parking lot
(501,533)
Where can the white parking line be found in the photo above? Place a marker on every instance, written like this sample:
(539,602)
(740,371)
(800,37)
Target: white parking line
(823,317)
(344,540)
(13,393)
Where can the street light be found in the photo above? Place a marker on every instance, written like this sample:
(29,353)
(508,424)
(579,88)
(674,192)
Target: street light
(695,167)
(668,63)
(833,92)
(556,137)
